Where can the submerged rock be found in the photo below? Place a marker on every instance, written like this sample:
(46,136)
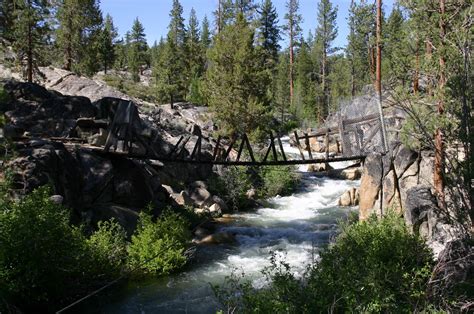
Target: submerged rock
(218,238)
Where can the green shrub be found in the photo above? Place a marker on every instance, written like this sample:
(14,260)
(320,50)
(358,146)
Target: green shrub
(232,186)
(278,181)
(108,248)
(157,247)
(41,256)
(44,261)
(373,266)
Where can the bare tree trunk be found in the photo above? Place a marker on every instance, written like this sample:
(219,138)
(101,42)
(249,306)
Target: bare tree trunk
(352,60)
(30,46)
(439,149)
(416,75)
(68,65)
(219,17)
(378,74)
(323,83)
(292,60)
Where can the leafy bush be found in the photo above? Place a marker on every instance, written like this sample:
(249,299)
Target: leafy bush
(41,256)
(157,247)
(234,183)
(232,186)
(374,266)
(278,181)
(44,261)
(108,247)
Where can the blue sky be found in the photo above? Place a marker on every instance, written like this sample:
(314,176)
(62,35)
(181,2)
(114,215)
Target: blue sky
(154,14)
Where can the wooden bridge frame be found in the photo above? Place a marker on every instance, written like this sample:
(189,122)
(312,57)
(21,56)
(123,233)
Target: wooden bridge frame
(123,129)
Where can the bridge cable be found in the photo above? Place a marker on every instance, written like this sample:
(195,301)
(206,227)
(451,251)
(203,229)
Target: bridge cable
(126,273)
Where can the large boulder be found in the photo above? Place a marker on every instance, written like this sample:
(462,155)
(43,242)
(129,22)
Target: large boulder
(35,110)
(349,198)
(370,185)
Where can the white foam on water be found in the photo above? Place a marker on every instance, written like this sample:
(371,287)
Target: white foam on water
(289,227)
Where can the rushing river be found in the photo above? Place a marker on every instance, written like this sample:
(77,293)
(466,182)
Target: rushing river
(295,226)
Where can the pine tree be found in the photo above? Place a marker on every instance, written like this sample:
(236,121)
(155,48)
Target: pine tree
(282,92)
(205,34)
(397,48)
(293,30)
(195,57)
(269,34)
(305,88)
(29,31)
(7,19)
(223,14)
(236,84)
(326,32)
(245,7)
(79,26)
(170,71)
(137,49)
(107,43)
(360,48)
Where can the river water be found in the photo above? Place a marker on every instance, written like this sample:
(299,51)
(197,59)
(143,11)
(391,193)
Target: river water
(294,226)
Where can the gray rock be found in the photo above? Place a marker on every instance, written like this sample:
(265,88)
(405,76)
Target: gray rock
(215,210)
(57,199)
(418,204)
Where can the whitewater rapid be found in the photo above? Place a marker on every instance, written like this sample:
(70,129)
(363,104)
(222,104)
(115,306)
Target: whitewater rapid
(294,227)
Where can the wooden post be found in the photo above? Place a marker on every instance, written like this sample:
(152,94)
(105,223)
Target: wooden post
(197,148)
(281,148)
(241,148)
(275,155)
(308,147)
(326,143)
(297,139)
(183,148)
(341,134)
(175,147)
(216,149)
(249,148)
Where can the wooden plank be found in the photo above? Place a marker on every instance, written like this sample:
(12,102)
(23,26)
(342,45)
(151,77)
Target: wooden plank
(183,147)
(275,155)
(216,149)
(299,145)
(233,163)
(241,148)
(175,146)
(321,132)
(363,119)
(195,149)
(308,147)
(281,148)
(249,148)
(267,153)
(341,133)
(326,144)
(371,136)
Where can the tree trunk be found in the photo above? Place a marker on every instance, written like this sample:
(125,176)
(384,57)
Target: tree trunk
(68,65)
(378,74)
(416,75)
(30,46)
(323,84)
(292,58)
(352,58)
(439,149)
(171,101)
